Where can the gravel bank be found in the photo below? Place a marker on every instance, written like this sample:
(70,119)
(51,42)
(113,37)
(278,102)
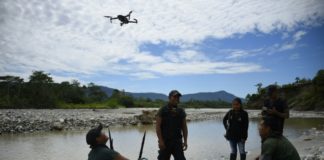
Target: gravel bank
(32,120)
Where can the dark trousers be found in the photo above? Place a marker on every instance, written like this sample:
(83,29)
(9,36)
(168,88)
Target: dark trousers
(174,149)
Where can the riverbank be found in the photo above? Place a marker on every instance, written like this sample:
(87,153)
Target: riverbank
(36,120)
(311,144)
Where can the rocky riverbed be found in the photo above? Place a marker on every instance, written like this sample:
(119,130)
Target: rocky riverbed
(311,144)
(34,120)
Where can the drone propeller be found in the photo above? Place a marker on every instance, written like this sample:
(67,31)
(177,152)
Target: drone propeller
(110,18)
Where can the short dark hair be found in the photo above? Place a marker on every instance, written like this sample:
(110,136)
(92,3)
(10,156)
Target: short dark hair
(271,122)
(238,100)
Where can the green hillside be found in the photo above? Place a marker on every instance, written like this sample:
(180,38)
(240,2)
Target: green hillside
(303,94)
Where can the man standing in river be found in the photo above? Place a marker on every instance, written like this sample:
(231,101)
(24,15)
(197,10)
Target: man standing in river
(275,107)
(171,129)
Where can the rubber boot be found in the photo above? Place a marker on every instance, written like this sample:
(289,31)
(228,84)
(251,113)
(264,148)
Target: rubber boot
(243,156)
(233,156)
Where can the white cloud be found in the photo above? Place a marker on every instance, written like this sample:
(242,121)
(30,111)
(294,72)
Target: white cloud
(288,44)
(65,36)
(184,56)
(298,35)
(237,54)
(168,68)
(144,75)
(293,43)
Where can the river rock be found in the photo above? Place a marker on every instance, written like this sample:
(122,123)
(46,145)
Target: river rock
(133,122)
(147,116)
(57,126)
(19,128)
(61,120)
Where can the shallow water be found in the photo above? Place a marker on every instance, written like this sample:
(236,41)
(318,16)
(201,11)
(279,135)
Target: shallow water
(205,141)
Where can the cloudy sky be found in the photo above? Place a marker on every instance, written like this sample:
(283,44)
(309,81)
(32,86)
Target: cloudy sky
(192,46)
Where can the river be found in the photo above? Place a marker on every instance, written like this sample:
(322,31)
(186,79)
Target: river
(206,141)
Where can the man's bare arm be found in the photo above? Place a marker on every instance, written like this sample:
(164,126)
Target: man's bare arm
(120,157)
(283,115)
(185,133)
(159,132)
(279,114)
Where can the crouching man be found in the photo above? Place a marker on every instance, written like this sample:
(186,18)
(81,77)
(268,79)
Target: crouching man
(274,145)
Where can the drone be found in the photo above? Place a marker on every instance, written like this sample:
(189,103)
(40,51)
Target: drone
(123,19)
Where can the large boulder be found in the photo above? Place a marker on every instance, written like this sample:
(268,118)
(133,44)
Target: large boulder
(147,117)
(57,126)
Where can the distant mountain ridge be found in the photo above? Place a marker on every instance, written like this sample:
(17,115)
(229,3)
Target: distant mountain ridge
(210,96)
(201,96)
(150,95)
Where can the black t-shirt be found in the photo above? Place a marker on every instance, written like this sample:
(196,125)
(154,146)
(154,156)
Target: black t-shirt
(281,106)
(172,120)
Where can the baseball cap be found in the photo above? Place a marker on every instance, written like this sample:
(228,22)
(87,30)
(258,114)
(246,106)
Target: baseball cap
(93,134)
(175,93)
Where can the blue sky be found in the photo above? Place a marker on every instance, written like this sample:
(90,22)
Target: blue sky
(192,46)
(304,60)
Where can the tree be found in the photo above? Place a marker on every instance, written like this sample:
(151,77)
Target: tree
(259,87)
(95,94)
(248,96)
(71,92)
(127,101)
(297,80)
(10,90)
(40,90)
(75,83)
(40,77)
(123,99)
(115,94)
(148,100)
(318,82)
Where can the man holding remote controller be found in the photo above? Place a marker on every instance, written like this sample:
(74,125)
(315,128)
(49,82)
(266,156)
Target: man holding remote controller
(275,107)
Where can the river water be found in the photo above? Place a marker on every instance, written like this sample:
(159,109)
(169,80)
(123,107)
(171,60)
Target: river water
(205,141)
